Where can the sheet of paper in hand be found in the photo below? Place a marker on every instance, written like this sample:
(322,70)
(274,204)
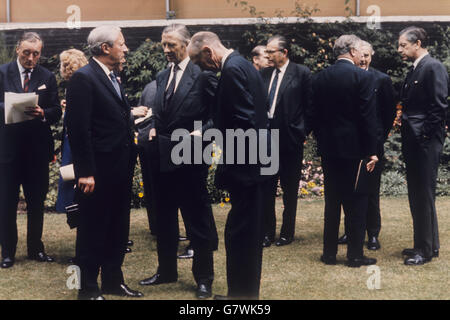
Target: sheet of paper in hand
(16,104)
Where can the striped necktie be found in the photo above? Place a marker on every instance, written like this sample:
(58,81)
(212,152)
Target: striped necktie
(115,83)
(26,80)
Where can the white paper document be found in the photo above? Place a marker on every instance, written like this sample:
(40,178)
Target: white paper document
(142,119)
(16,104)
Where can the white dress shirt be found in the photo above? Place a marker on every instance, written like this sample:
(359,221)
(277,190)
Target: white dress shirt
(22,72)
(419,59)
(182,66)
(280,78)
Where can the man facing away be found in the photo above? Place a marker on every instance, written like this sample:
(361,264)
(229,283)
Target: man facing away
(99,128)
(385,114)
(26,149)
(424,100)
(343,118)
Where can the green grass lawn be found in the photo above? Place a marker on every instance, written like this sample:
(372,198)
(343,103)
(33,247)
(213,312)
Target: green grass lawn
(292,272)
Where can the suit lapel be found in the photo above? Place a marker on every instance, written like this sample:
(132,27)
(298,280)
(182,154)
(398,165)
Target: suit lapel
(14,74)
(106,81)
(35,78)
(184,86)
(286,80)
(162,84)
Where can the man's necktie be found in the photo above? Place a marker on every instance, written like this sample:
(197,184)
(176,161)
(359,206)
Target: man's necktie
(171,89)
(115,83)
(26,80)
(273,88)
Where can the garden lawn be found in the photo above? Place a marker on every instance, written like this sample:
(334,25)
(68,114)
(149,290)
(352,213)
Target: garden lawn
(292,272)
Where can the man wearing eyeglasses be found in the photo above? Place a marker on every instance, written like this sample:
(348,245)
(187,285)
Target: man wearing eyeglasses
(289,96)
(26,149)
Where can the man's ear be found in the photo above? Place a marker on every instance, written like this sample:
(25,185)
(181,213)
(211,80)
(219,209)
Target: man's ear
(207,51)
(105,48)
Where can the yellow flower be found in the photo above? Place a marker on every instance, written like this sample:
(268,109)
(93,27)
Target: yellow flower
(311,184)
(222,204)
(227,199)
(304,191)
(141,184)
(140,195)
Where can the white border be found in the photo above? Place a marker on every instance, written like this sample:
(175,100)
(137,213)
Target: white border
(223,21)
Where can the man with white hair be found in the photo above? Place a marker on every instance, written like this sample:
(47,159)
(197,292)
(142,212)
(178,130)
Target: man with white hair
(99,129)
(385,114)
(343,123)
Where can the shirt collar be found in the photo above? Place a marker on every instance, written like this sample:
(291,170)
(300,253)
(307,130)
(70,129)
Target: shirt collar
(347,60)
(21,68)
(284,67)
(183,64)
(419,59)
(104,68)
(225,56)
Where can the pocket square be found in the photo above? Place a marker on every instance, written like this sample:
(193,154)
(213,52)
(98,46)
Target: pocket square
(42,87)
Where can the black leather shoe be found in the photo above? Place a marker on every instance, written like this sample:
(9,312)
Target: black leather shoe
(283,242)
(155,280)
(330,260)
(363,261)
(373,243)
(435,253)
(41,257)
(7,263)
(128,250)
(204,291)
(417,260)
(187,254)
(343,239)
(130,243)
(267,242)
(124,291)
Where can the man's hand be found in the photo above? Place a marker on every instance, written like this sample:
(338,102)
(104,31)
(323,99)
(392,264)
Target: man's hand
(63,104)
(86,184)
(139,112)
(371,164)
(35,111)
(152,134)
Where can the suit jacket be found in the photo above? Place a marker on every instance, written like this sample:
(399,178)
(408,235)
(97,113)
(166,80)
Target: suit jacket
(192,101)
(148,95)
(424,97)
(98,120)
(34,135)
(385,106)
(343,114)
(293,99)
(240,104)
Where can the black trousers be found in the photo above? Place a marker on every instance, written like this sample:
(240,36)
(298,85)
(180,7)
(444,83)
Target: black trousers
(104,222)
(289,175)
(243,241)
(32,172)
(422,161)
(373,204)
(185,188)
(339,181)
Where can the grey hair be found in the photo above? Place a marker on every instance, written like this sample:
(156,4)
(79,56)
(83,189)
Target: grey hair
(257,51)
(179,29)
(345,43)
(414,34)
(368,45)
(202,38)
(282,41)
(30,37)
(101,35)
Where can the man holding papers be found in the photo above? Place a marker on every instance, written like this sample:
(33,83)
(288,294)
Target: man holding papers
(26,145)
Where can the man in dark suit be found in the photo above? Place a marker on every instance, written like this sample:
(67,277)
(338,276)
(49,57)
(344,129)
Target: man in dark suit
(184,95)
(424,99)
(26,149)
(259,57)
(343,117)
(99,129)
(240,105)
(289,91)
(385,114)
